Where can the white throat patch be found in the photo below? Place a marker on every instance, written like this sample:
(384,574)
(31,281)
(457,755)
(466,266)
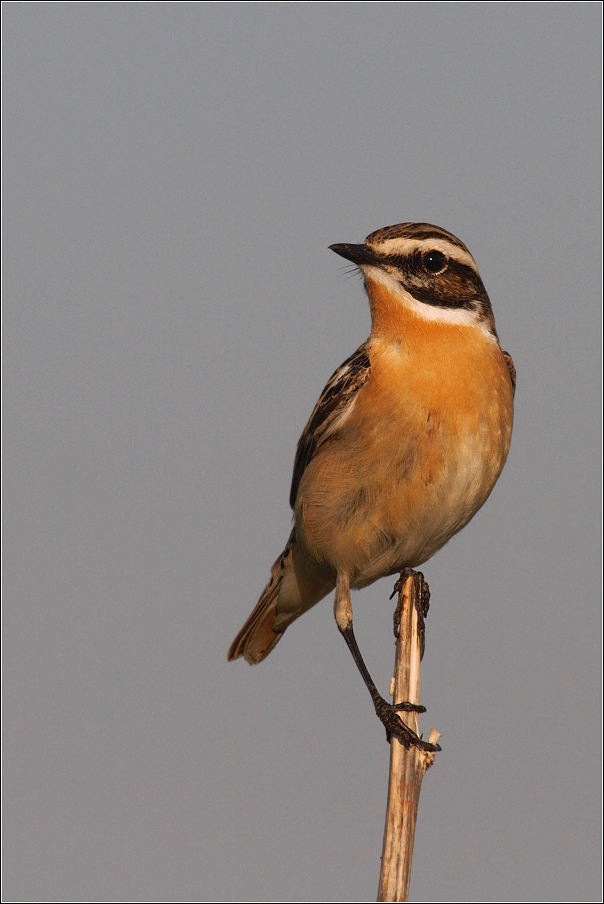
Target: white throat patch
(435,313)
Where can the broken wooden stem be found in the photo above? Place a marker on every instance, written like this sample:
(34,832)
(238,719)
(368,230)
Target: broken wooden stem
(407,767)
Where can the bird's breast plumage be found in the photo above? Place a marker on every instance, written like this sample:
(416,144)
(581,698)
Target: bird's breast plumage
(418,455)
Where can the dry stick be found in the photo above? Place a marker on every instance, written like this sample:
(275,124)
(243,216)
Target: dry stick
(407,767)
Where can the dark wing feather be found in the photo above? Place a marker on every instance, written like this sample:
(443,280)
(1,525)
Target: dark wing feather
(337,396)
(510,364)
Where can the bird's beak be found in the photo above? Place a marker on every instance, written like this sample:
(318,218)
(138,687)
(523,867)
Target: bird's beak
(358,254)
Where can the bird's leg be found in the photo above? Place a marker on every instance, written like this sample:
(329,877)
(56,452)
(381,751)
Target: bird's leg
(385,711)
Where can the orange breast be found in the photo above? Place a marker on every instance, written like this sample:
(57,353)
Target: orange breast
(419,454)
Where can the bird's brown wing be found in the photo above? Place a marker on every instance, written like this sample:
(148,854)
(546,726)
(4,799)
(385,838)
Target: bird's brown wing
(510,365)
(334,404)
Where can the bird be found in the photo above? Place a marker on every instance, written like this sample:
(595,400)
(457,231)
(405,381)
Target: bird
(404,446)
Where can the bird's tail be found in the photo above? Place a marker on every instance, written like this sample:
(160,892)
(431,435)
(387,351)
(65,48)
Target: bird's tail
(258,636)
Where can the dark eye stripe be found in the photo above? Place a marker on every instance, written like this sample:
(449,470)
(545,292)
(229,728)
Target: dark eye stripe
(457,286)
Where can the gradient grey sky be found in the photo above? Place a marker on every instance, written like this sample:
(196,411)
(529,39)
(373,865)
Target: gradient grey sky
(174,173)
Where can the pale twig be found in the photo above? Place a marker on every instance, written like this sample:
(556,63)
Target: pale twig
(407,766)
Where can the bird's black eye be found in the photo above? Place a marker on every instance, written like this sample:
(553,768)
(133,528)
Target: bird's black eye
(434,261)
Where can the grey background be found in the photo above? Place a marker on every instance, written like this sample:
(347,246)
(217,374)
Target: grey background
(174,173)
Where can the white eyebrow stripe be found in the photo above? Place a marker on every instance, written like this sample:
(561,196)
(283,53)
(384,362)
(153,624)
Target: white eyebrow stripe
(435,313)
(408,246)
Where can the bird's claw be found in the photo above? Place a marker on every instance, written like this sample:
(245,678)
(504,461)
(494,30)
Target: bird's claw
(405,573)
(408,707)
(395,727)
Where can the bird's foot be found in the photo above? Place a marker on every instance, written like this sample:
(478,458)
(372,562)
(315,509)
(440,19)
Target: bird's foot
(405,573)
(408,707)
(395,727)
(422,604)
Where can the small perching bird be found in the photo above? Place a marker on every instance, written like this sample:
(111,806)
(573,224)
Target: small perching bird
(404,445)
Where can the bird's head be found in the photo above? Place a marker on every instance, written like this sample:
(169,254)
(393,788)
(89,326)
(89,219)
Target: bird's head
(427,270)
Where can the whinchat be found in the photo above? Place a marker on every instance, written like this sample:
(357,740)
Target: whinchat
(405,443)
